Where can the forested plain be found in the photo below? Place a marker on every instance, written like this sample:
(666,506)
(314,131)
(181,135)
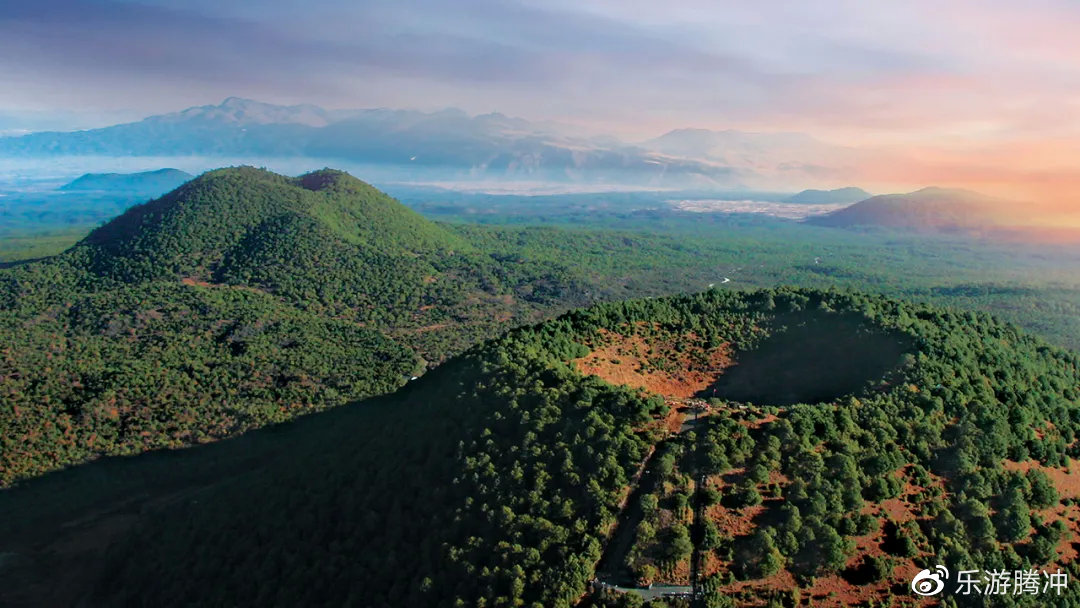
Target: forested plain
(635,244)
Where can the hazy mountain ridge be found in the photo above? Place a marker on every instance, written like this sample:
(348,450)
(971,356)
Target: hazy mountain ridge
(849,194)
(247,112)
(930,209)
(784,157)
(161,180)
(486,145)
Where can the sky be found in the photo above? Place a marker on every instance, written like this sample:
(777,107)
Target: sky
(980,93)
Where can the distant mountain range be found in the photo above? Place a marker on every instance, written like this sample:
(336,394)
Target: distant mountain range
(830,197)
(451,143)
(150,182)
(927,210)
(791,158)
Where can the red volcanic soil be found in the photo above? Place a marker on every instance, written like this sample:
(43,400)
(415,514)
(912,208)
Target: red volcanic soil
(625,359)
(1067,481)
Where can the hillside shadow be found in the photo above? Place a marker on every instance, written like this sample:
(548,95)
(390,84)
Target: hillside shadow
(22,262)
(811,357)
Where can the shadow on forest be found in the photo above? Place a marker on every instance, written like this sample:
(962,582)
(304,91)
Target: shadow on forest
(23,262)
(811,357)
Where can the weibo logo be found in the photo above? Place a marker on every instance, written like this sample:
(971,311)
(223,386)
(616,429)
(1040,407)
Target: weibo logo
(928,583)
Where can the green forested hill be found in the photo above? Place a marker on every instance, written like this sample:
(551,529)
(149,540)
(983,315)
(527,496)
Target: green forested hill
(189,231)
(151,182)
(239,299)
(494,480)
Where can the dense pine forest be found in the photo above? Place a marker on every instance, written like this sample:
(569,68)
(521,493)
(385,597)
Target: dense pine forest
(499,477)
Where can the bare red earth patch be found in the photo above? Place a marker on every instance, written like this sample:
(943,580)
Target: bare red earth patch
(632,360)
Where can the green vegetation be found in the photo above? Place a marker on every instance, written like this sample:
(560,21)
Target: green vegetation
(245,299)
(662,544)
(971,397)
(496,478)
(192,230)
(29,245)
(166,365)
(240,299)
(493,476)
(31,221)
(638,240)
(616,245)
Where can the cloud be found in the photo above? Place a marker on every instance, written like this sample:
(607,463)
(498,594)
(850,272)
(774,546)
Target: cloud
(965,82)
(332,50)
(501,53)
